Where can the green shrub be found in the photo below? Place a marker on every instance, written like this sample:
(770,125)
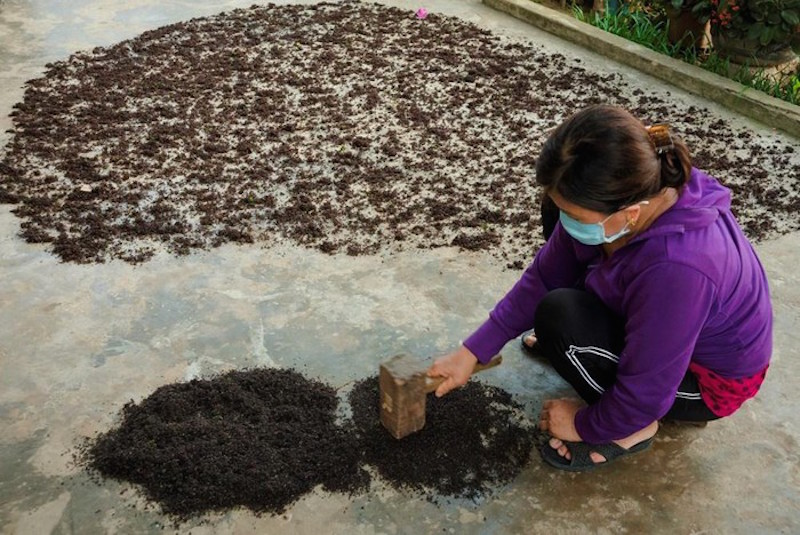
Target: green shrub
(643,28)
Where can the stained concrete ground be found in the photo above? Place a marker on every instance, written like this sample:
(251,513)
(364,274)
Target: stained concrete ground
(79,341)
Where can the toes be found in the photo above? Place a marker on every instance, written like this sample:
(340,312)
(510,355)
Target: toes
(563,451)
(597,458)
(560,447)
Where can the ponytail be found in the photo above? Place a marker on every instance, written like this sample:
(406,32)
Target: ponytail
(676,166)
(673,156)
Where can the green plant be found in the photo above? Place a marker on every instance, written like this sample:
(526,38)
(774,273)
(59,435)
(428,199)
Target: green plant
(789,89)
(637,26)
(765,21)
(701,9)
(634,26)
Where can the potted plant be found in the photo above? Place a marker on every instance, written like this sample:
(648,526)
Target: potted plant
(689,23)
(758,32)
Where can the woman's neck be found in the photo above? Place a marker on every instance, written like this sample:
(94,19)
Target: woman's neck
(647,216)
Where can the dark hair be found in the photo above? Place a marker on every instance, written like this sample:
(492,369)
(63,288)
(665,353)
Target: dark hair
(603,159)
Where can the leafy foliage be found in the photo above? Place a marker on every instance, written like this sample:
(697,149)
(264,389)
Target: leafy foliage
(636,26)
(766,21)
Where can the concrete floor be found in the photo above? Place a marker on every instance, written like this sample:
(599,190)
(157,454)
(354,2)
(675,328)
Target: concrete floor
(77,342)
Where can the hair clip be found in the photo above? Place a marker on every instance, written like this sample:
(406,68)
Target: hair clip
(661,138)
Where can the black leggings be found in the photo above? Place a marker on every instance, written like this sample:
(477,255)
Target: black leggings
(582,339)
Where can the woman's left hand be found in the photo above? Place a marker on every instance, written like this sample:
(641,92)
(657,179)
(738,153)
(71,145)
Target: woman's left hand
(558,418)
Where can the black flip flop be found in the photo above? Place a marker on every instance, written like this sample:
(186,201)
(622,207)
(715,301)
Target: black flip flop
(581,461)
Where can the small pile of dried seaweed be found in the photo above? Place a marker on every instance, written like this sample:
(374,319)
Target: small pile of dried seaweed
(258,439)
(475,438)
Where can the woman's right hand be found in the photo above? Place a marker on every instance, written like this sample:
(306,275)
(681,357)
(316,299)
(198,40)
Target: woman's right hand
(456,368)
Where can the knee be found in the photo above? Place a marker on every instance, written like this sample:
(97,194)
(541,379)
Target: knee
(554,311)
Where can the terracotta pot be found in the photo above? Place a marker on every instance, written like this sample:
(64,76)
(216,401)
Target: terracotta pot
(685,30)
(750,51)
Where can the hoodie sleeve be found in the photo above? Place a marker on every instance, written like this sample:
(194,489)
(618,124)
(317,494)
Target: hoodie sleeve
(666,306)
(560,263)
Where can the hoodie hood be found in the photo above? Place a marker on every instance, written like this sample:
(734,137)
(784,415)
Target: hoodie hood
(700,204)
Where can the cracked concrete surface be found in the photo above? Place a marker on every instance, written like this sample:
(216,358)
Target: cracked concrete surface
(78,341)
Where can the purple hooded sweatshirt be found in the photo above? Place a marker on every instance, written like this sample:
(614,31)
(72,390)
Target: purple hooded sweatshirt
(690,287)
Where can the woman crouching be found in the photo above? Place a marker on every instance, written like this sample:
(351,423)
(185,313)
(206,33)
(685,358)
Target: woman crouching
(647,297)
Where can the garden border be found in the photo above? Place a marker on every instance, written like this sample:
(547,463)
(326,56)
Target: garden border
(750,102)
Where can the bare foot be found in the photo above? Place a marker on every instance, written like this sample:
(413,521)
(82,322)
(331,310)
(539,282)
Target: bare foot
(626,443)
(529,340)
